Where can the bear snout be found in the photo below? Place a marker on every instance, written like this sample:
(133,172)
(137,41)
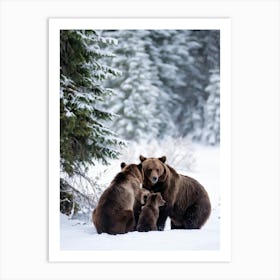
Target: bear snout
(154,179)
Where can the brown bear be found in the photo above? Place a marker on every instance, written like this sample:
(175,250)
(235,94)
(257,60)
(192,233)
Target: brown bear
(114,212)
(187,202)
(150,213)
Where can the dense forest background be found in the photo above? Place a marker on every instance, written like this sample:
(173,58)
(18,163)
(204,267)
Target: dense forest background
(121,87)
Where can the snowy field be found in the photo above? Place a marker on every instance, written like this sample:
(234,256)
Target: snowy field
(203,166)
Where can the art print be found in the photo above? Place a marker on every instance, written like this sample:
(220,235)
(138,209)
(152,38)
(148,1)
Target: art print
(143,153)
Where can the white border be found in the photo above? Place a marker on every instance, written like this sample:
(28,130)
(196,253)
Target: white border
(222,255)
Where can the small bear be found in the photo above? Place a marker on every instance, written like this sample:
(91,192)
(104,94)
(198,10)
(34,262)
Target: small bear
(150,213)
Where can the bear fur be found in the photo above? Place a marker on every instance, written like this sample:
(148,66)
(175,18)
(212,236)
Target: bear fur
(114,212)
(150,213)
(187,202)
(140,200)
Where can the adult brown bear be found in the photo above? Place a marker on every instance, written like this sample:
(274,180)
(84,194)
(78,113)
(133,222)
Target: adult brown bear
(114,212)
(187,202)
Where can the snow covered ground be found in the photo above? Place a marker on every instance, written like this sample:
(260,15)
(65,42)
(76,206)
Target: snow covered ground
(80,235)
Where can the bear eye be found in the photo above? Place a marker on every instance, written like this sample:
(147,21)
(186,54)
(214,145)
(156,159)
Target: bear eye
(149,169)
(157,170)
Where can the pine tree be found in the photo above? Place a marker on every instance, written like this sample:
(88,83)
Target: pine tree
(139,102)
(211,131)
(84,137)
(203,50)
(175,54)
(167,52)
(163,47)
(175,67)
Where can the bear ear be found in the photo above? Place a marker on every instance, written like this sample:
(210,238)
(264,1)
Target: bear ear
(142,158)
(160,199)
(162,159)
(139,166)
(123,164)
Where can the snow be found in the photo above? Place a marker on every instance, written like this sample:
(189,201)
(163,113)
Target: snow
(80,235)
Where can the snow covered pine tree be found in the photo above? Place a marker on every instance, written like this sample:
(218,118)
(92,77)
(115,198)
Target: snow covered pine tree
(139,102)
(84,137)
(164,87)
(211,131)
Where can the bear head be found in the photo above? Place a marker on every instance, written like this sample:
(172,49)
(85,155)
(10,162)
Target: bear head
(155,199)
(133,169)
(154,170)
(144,194)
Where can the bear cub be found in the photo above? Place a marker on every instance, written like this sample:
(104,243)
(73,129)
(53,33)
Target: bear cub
(150,213)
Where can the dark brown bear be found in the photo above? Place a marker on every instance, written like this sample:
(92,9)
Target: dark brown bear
(187,202)
(114,212)
(150,213)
